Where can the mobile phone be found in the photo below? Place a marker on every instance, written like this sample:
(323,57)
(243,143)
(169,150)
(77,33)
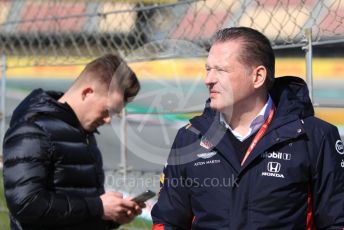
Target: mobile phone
(143,197)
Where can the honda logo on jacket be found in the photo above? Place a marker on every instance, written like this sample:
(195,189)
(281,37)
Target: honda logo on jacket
(274,167)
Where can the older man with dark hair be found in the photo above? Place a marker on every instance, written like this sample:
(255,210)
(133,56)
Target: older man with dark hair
(53,172)
(257,158)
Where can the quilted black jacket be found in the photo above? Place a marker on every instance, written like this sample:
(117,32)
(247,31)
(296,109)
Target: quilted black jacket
(53,173)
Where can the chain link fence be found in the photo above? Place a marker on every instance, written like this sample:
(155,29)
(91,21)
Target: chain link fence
(37,32)
(72,32)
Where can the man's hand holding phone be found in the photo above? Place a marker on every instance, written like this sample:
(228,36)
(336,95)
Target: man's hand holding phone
(118,209)
(123,210)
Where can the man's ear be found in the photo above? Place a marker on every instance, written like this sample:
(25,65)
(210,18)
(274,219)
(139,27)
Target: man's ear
(259,76)
(87,91)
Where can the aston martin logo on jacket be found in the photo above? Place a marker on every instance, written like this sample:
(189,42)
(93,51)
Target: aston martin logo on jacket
(207,155)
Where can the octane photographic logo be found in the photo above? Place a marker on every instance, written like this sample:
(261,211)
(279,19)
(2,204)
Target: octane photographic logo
(165,104)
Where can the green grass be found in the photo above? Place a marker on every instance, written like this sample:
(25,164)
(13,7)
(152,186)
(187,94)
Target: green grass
(138,223)
(4,221)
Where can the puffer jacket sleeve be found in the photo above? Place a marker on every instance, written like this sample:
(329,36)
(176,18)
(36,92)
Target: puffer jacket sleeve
(27,178)
(173,209)
(328,182)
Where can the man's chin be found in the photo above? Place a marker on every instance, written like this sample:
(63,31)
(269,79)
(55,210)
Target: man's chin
(214,106)
(221,108)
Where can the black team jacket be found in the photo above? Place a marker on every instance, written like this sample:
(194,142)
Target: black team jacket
(293,179)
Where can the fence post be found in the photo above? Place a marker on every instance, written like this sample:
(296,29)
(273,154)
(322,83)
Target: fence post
(309,60)
(3,100)
(123,163)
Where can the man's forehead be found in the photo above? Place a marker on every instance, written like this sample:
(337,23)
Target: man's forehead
(219,58)
(223,51)
(231,46)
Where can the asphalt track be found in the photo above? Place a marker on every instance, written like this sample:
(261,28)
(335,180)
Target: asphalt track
(151,136)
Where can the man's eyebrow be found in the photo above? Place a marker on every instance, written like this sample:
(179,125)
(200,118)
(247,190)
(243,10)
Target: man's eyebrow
(217,66)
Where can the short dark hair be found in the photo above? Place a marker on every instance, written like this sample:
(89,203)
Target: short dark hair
(112,69)
(256,47)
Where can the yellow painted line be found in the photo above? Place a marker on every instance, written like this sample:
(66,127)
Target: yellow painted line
(187,69)
(323,68)
(290,67)
(57,72)
(334,116)
(184,69)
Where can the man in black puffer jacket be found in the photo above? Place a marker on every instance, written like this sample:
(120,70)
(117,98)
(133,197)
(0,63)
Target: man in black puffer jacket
(53,174)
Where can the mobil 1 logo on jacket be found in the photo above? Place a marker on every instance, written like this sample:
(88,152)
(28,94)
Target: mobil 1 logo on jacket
(276,155)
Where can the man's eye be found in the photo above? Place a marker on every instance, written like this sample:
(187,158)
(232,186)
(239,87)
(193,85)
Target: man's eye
(220,70)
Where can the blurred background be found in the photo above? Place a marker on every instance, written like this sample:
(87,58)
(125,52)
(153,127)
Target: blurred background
(45,44)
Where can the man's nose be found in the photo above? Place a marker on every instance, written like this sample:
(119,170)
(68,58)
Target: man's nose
(210,78)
